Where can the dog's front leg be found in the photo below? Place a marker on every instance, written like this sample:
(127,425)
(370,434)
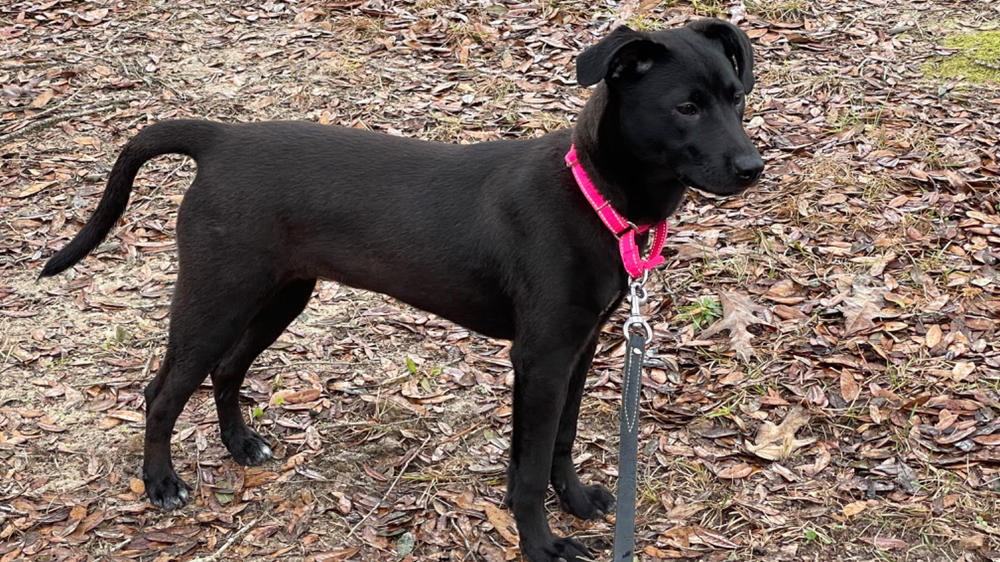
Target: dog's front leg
(585,502)
(544,355)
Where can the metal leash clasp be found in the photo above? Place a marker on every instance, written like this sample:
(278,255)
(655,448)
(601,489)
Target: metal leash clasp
(637,297)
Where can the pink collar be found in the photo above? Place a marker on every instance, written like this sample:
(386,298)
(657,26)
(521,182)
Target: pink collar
(621,228)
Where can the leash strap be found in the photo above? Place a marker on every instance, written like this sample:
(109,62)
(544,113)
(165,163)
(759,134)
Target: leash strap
(637,332)
(628,448)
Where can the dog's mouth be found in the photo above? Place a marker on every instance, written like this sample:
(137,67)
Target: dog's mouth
(734,188)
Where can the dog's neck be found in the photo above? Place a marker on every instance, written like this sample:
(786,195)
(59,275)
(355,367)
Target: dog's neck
(642,193)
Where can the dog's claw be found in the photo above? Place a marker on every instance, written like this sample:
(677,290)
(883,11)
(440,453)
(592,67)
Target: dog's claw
(247,447)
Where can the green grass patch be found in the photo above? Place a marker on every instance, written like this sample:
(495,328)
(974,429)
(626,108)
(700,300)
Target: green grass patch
(977,59)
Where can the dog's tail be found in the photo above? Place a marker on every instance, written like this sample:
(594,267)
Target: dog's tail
(187,137)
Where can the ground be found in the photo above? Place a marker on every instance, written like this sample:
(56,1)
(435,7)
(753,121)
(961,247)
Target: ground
(823,382)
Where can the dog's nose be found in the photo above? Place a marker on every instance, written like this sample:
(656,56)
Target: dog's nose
(748,167)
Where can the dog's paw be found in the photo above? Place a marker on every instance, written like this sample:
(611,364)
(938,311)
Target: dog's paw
(587,502)
(166,492)
(557,550)
(247,447)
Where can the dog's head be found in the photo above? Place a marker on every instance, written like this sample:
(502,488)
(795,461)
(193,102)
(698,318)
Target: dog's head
(678,98)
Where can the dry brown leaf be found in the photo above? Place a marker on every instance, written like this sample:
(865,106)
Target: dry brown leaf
(974,541)
(255,477)
(738,312)
(849,388)
(778,442)
(735,472)
(945,419)
(679,536)
(136,485)
(786,312)
(933,336)
(989,440)
(289,396)
(888,543)
(127,415)
(783,289)
(707,537)
(33,189)
(687,535)
(962,370)
(733,377)
(833,199)
(876,414)
(78,512)
(41,99)
(656,553)
(855,508)
(502,521)
(684,511)
(860,309)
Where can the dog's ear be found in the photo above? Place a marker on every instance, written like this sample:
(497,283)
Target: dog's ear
(735,44)
(622,54)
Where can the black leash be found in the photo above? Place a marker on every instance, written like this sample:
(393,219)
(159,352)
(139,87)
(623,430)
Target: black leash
(637,332)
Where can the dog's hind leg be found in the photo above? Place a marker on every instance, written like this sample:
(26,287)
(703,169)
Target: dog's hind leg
(586,502)
(208,314)
(245,444)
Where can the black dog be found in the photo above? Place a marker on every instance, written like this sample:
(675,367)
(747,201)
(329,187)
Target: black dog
(494,236)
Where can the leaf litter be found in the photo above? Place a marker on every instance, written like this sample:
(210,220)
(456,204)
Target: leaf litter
(861,277)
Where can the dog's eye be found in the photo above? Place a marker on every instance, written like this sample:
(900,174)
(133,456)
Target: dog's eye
(737,98)
(687,109)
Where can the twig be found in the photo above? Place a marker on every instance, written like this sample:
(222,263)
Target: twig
(301,364)
(236,536)
(118,546)
(41,124)
(395,481)
(987,64)
(57,106)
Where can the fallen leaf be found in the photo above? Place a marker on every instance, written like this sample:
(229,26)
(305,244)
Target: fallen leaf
(855,508)
(733,377)
(736,471)
(849,388)
(945,419)
(41,99)
(933,336)
(738,312)
(656,553)
(974,541)
(989,440)
(833,199)
(136,485)
(711,538)
(860,309)
(33,189)
(295,397)
(875,414)
(684,511)
(255,477)
(961,370)
(887,543)
(778,442)
(78,512)
(502,521)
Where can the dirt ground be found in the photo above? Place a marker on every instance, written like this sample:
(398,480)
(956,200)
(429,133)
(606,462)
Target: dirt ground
(845,405)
